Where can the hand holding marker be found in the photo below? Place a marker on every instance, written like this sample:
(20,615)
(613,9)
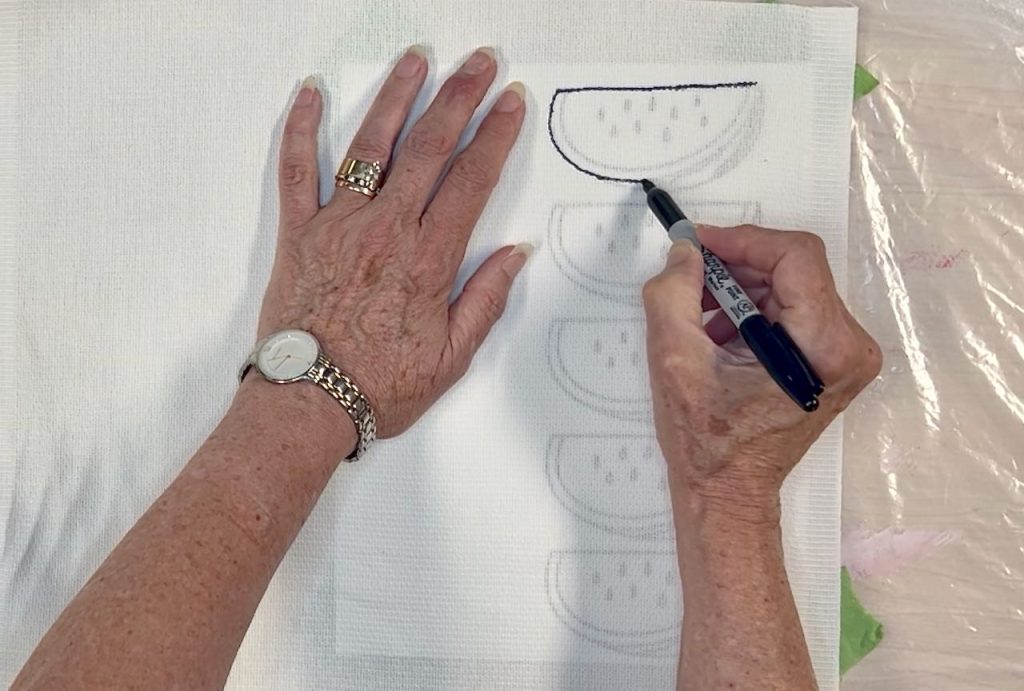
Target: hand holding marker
(770,343)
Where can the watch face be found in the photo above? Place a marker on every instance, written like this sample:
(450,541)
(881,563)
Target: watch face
(287,355)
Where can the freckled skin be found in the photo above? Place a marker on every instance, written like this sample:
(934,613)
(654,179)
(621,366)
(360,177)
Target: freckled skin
(730,436)
(170,605)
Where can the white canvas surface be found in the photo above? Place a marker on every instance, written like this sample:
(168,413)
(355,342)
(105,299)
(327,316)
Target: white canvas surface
(519,535)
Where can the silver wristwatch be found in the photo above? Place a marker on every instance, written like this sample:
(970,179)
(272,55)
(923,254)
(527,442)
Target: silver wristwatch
(294,355)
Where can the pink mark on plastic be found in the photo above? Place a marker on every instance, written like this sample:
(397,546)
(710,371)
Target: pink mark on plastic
(924,260)
(875,555)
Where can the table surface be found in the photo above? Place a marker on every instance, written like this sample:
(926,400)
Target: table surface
(933,498)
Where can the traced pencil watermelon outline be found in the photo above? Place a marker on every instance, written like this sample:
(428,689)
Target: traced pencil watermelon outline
(627,291)
(665,638)
(637,409)
(651,525)
(726,133)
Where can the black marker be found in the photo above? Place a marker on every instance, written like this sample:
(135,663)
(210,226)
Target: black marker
(769,342)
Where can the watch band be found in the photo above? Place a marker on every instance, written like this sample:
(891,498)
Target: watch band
(324,374)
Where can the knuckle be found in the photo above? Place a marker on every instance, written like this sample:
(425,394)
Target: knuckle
(461,92)
(471,175)
(872,358)
(427,142)
(651,292)
(502,128)
(492,304)
(810,243)
(295,170)
(367,145)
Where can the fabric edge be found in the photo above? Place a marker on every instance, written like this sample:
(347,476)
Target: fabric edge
(834,54)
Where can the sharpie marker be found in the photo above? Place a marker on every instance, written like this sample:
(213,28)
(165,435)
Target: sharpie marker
(770,343)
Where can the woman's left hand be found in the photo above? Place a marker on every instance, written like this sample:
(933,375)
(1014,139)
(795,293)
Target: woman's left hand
(371,277)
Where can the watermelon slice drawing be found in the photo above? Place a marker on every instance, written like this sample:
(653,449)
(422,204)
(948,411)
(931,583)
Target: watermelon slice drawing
(602,364)
(690,134)
(611,249)
(630,602)
(615,482)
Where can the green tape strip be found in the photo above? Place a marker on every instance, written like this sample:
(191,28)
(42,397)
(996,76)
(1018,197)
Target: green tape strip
(863,81)
(859,632)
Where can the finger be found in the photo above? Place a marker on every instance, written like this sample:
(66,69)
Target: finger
(375,139)
(803,298)
(792,262)
(672,299)
(750,279)
(298,180)
(720,328)
(481,303)
(433,138)
(466,188)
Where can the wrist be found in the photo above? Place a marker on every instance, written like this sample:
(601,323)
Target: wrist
(716,534)
(300,414)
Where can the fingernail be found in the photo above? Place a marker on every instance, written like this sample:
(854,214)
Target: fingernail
(511,98)
(516,259)
(306,89)
(478,61)
(411,62)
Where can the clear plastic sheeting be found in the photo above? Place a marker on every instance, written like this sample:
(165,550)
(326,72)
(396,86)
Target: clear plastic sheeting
(933,497)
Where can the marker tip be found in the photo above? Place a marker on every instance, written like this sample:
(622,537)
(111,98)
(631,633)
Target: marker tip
(647,185)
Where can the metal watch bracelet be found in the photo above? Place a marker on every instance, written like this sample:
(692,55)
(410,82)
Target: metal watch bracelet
(342,389)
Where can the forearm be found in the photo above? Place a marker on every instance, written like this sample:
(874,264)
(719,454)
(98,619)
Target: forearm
(171,604)
(740,625)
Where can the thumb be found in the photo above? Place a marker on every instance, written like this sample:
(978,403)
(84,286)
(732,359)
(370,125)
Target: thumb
(673,297)
(481,303)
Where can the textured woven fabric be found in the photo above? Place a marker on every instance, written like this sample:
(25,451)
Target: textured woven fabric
(519,536)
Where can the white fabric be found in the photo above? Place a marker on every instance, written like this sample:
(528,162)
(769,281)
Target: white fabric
(519,535)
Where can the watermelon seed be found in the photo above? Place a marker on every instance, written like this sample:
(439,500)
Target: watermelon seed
(609,595)
(615,131)
(597,577)
(633,474)
(597,461)
(624,337)
(636,358)
(597,346)
(599,230)
(648,451)
(623,453)
(650,104)
(632,591)
(636,127)
(703,120)
(600,114)
(611,247)
(674,113)
(627,105)
(662,600)
(647,567)
(611,362)
(666,135)
(622,569)
(609,479)
(696,101)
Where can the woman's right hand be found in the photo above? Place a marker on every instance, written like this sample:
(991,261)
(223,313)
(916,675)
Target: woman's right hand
(730,435)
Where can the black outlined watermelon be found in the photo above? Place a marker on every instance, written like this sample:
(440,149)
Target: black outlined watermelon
(615,482)
(602,364)
(611,249)
(689,134)
(630,602)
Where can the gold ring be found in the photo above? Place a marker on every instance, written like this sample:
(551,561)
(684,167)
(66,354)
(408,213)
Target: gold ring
(360,176)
